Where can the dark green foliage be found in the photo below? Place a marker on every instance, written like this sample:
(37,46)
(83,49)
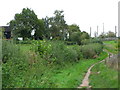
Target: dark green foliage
(77,48)
(109,34)
(91,50)
(73,28)
(9,50)
(14,65)
(58,51)
(25,68)
(84,35)
(47,32)
(55,51)
(88,41)
(24,23)
(62,53)
(56,26)
(40,31)
(75,37)
(78,37)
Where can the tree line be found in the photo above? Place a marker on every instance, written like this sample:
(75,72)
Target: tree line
(55,27)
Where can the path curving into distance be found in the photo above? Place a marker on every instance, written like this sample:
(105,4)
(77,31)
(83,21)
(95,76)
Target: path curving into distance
(85,82)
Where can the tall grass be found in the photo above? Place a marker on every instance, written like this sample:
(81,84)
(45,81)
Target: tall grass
(14,65)
(44,64)
(107,78)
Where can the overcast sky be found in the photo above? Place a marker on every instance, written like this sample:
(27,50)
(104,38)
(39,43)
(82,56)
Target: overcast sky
(85,13)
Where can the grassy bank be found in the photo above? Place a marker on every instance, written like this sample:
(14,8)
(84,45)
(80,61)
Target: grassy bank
(107,78)
(72,75)
(56,76)
(47,64)
(69,76)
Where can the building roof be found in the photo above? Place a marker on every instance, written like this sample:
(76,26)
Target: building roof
(7,28)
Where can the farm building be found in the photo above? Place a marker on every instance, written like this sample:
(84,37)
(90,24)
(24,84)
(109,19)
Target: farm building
(7,32)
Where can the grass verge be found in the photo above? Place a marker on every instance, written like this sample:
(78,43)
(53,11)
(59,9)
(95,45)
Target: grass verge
(71,76)
(107,78)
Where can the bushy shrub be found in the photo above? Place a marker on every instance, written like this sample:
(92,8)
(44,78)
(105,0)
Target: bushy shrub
(88,41)
(85,41)
(75,37)
(41,46)
(56,51)
(87,52)
(62,53)
(77,48)
(70,54)
(90,50)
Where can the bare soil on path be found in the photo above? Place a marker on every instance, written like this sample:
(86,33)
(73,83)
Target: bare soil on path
(85,82)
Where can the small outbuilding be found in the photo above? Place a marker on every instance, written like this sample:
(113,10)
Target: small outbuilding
(7,32)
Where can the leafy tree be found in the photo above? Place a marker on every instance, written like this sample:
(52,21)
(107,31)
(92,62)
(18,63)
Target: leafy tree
(24,23)
(47,33)
(108,34)
(58,26)
(84,35)
(102,35)
(111,34)
(71,29)
(40,31)
(75,37)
